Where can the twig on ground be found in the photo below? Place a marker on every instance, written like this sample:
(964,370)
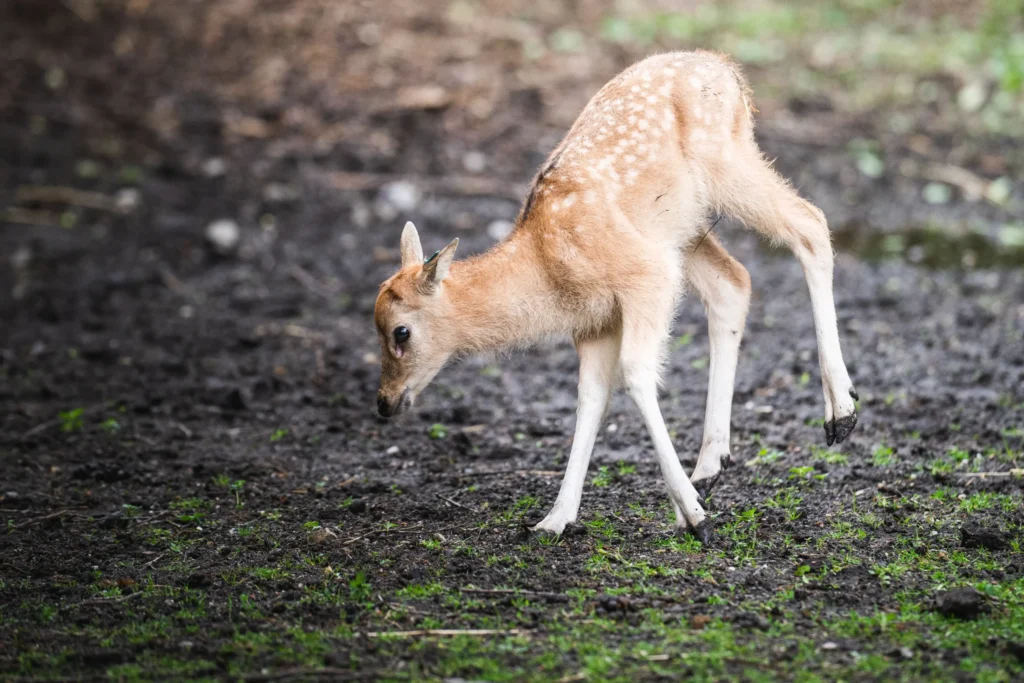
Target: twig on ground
(155,559)
(54,194)
(36,520)
(15,214)
(332,673)
(321,366)
(289,330)
(458,185)
(494,473)
(456,503)
(1015,472)
(176,286)
(309,281)
(450,632)
(512,591)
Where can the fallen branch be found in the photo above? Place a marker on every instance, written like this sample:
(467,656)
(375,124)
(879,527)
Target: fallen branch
(333,673)
(470,186)
(450,632)
(493,473)
(309,281)
(29,217)
(289,330)
(176,286)
(512,591)
(456,503)
(155,559)
(972,185)
(55,194)
(1015,472)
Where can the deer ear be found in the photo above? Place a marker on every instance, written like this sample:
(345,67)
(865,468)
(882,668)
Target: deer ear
(412,251)
(436,268)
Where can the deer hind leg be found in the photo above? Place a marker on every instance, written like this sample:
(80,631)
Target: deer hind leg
(645,326)
(752,192)
(723,285)
(598,367)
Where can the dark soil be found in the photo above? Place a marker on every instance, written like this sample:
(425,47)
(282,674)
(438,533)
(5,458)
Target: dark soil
(195,483)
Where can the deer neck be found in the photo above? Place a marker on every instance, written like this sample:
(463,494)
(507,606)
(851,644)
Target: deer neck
(500,299)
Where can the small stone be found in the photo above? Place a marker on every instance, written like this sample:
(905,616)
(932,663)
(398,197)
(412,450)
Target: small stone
(127,199)
(937,193)
(961,603)
(223,235)
(321,535)
(906,653)
(474,162)
(422,97)
(214,167)
(499,230)
(392,450)
(234,400)
(277,193)
(21,257)
(357,506)
(829,645)
(396,198)
(999,190)
(974,535)
(972,96)
(699,621)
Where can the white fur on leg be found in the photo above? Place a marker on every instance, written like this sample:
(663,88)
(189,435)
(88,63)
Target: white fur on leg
(724,286)
(836,384)
(598,360)
(642,388)
(725,325)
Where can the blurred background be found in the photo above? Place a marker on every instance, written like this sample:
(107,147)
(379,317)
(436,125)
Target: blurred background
(199,198)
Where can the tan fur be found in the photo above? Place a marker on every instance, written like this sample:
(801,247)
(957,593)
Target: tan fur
(603,241)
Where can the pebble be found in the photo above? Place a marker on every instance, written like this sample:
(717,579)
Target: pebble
(961,603)
(280,192)
(127,199)
(474,162)
(214,167)
(396,198)
(975,535)
(223,235)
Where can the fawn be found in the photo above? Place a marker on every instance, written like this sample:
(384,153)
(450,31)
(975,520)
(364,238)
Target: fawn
(614,228)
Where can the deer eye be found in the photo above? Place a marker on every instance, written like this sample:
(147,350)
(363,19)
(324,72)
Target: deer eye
(401,335)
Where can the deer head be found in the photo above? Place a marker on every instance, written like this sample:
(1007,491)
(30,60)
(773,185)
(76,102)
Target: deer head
(411,316)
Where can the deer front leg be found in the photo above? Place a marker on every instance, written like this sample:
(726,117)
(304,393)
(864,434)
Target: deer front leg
(642,343)
(598,362)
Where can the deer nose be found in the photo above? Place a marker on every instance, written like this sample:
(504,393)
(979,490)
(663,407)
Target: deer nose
(383,407)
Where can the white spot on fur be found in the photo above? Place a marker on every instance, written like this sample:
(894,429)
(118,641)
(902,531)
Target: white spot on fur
(695,82)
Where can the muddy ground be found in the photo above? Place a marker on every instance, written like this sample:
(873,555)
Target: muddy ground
(192,475)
